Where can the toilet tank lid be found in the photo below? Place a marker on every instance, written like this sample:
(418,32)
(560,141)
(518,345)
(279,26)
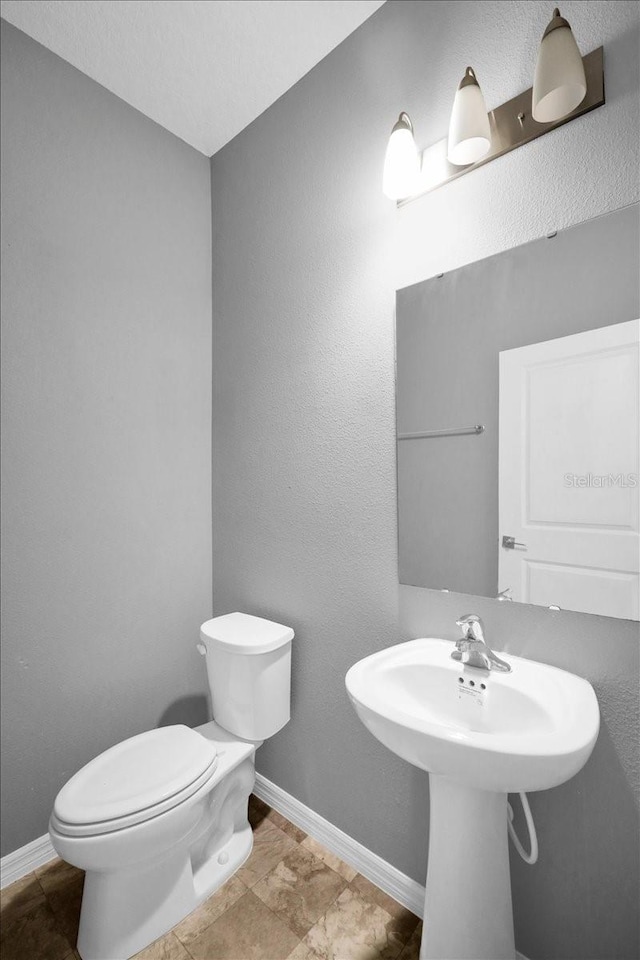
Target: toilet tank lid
(243,634)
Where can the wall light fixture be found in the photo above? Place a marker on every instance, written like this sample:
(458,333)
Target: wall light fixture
(402,160)
(469,133)
(566,86)
(560,83)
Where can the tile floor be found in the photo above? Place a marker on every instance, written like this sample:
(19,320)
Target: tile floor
(292,900)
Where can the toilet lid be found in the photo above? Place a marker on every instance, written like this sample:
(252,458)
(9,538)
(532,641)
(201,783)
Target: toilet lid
(143,773)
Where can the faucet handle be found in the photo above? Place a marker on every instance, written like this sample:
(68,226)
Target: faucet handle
(472,627)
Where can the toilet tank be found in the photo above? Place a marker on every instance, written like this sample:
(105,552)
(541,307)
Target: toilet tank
(249,671)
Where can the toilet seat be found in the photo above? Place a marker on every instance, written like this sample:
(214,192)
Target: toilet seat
(135,781)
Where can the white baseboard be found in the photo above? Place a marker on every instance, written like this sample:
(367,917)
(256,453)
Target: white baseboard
(21,862)
(396,884)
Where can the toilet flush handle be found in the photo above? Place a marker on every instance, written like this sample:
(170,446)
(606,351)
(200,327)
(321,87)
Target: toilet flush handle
(202,650)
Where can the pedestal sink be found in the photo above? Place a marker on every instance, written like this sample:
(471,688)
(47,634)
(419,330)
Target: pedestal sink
(480,735)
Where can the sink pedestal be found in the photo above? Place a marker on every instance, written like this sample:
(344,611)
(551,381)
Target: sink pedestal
(467,911)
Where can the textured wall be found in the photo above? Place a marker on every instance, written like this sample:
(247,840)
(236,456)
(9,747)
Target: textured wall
(106,393)
(307,256)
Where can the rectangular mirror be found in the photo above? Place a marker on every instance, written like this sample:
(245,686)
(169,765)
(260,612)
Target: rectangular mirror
(518,409)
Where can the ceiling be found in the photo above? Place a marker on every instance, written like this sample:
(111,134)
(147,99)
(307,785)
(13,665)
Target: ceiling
(203,69)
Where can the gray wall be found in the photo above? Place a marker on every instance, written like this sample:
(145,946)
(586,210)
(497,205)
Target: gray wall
(106,456)
(449,333)
(307,254)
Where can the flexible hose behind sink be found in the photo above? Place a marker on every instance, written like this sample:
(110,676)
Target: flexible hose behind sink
(532,856)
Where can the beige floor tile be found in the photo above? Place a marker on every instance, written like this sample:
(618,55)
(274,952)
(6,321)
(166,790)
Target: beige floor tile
(302,952)
(193,925)
(412,949)
(270,846)
(246,931)
(34,935)
(166,948)
(354,929)
(20,897)
(405,922)
(286,826)
(300,889)
(66,901)
(259,811)
(57,874)
(330,859)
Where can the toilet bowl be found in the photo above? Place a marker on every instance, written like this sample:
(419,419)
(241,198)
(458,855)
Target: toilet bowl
(159,821)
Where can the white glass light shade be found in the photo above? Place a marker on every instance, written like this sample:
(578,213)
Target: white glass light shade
(469,131)
(559,83)
(401,162)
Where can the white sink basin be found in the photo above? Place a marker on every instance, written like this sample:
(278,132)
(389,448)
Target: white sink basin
(480,735)
(529,729)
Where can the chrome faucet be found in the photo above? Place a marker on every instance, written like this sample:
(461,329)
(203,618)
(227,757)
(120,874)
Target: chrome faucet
(473,650)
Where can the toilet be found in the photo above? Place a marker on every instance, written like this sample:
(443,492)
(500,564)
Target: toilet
(159,821)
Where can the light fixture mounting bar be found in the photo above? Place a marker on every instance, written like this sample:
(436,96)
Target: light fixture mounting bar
(512,125)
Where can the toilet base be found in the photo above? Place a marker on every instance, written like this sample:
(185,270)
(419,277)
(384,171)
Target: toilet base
(122,914)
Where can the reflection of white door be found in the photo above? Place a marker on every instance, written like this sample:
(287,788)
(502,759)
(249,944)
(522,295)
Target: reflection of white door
(568,468)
